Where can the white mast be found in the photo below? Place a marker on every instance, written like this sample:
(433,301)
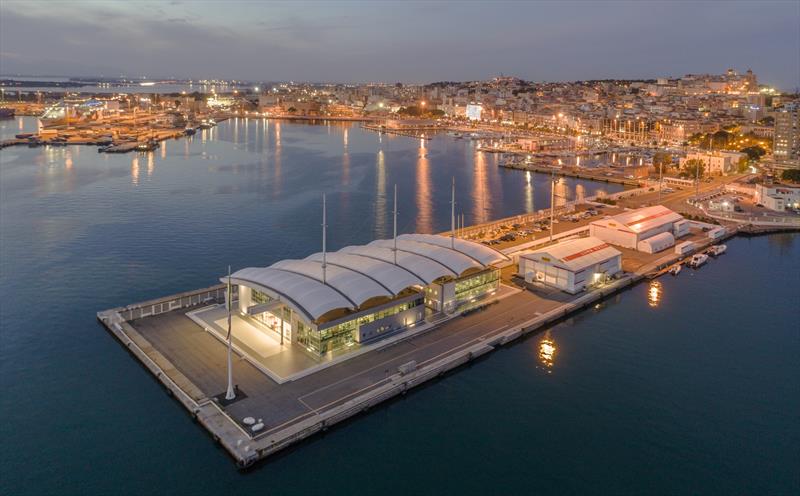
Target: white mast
(453,216)
(230,393)
(552,200)
(324,236)
(395,225)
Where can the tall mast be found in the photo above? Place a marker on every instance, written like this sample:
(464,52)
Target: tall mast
(324,236)
(552,200)
(395,225)
(230,393)
(453,216)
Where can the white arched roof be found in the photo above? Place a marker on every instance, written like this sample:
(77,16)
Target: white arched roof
(393,277)
(452,259)
(356,287)
(476,251)
(306,295)
(356,274)
(424,268)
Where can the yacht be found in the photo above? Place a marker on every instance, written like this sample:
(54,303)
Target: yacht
(675,270)
(698,260)
(717,250)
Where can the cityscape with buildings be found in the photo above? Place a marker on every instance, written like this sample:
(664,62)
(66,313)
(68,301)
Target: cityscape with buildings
(508,283)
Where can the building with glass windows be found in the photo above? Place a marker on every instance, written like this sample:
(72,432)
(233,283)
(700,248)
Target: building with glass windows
(333,302)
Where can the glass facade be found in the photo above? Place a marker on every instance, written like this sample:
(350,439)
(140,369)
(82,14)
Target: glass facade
(342,335)
(477,285)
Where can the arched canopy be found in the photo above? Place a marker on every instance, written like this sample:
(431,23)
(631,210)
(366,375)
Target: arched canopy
(355,275)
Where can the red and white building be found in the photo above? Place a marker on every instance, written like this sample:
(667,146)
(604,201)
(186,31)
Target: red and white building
(571,266)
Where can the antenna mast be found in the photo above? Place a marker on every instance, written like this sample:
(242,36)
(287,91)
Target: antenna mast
(324,236)
(453,216)
(395,225)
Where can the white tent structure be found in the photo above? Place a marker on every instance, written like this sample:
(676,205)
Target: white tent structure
(571,266)
(333,299)
(629,228)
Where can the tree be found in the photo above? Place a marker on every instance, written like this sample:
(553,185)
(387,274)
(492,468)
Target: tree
(743,164)
(754,153)
(291,110)
(792,175)
(662,159)
(690,168)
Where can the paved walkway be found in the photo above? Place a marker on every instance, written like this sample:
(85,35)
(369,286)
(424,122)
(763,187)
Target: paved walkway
(201,357)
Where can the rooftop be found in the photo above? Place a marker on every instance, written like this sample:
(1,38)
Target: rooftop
(355,275)
(577,254)
(642,219)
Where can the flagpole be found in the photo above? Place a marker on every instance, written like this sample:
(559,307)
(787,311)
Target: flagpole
(230,393)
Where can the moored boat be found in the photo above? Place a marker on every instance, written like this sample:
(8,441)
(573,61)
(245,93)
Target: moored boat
(717,250)
(698,260)
(675,270)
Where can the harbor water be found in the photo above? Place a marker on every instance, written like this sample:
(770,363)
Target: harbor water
(685,385)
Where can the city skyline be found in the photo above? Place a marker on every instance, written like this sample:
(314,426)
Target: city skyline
(354,41)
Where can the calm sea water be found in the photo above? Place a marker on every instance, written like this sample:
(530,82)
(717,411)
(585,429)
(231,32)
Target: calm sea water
(698,392)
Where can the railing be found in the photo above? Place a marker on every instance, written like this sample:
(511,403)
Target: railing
(214,294)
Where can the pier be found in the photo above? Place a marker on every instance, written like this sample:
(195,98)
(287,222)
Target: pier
(571,172)
(189,359)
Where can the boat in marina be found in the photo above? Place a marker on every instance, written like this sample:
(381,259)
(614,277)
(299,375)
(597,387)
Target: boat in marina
(675,270)
(698,260)
(717,250)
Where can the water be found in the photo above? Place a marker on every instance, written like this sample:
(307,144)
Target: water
(696,394)
(106,88)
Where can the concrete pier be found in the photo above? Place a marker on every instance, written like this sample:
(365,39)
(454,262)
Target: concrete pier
(189,360)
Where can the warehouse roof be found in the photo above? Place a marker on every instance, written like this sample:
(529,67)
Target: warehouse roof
(642,219)
(575,255)
(356,274)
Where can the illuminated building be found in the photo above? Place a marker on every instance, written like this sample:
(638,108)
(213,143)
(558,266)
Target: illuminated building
(571,266)
(330,302)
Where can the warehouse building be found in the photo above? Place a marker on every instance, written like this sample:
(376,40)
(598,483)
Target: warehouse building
(628,229)
(332,301)
(571,266)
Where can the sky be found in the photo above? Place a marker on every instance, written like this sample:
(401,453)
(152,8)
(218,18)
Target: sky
(410,41)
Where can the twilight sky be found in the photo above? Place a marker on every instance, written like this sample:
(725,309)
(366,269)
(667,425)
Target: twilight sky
(411,41)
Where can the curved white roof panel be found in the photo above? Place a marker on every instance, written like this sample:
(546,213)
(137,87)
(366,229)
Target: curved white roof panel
(452,259)
(356,287)
(392,277)
(356,274)
(476,251)
(424,268)
(307,295)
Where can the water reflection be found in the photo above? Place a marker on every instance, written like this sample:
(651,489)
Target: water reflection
(479,194)
(424,200)
(135,170)
(580,192)
(562,192)
(345,160)
(654,294)
(380,196)
(151,164)
(529,205)
(547,351)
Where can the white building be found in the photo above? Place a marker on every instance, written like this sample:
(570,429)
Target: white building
(334,301)
(571,266)
(474,111)
(629,228)
(717,162)
(657,243)
(777,197)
